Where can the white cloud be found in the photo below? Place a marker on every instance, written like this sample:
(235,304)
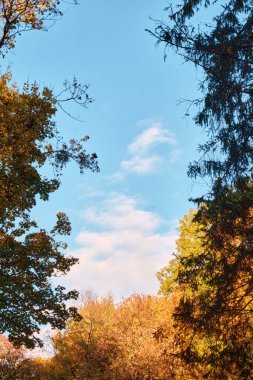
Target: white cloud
(145,155)
(122,250)
(141,164)
(156,134)
(119,212)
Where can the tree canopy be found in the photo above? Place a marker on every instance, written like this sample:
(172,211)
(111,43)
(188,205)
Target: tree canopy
(214,313)
(218,273)
(222,47)
(17,16)
(117,341)
(30,256)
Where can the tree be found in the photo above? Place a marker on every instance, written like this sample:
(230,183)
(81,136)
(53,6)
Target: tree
(223,48)
(30,259)
(10,359)
(214,322)
(15,364)
(87,349)
(118,341)
(144,355)
(30,256)
(17,16)
(189,247)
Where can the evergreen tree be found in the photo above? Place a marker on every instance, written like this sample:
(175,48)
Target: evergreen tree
(223,49)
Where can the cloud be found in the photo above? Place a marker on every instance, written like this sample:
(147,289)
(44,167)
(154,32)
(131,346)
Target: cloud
(121,249)
(144,152)
(141,164)
(119,212)
(156,134)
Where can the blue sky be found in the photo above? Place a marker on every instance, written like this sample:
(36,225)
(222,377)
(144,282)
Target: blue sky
(123,218)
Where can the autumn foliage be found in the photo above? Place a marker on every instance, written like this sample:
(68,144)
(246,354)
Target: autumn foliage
(30,256)
(115,342)
(214,314)
(201,325)
(17,16)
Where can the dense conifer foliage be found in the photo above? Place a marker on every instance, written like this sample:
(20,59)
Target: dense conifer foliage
(223,48)
(220,274)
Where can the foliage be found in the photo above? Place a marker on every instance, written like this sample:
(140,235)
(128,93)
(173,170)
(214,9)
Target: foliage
(189,247)
(223,49)
(10,359)
(87,348)
(15,364)
(220,275)
(17,16)
(118,341)
(143,357)
(29,255)
(214,314)
(129,341)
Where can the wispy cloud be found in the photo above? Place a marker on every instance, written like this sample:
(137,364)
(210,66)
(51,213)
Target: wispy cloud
(121,249)
(141,164)
(156,134)
(144,152)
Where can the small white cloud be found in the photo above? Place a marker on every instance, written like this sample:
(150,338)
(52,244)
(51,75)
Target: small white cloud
(140,164)
(156,134)
(145,154)
(122,250)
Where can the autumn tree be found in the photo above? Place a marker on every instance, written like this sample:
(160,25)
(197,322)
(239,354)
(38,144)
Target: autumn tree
(223,48)
(30,259)
(214,337)
(17,16)
(30,256)
(88,348)
(144,355)
(10,359)
(16,364)
(120,341)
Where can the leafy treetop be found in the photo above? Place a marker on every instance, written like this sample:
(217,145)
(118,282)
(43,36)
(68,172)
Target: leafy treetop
(30,257)
(17,16)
